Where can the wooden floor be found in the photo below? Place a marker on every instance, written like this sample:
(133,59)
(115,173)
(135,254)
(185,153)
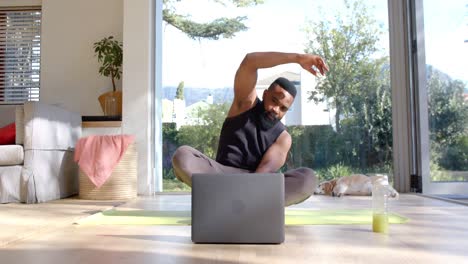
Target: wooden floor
(436,233)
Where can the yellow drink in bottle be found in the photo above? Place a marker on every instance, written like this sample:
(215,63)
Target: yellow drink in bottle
(380,206)
(380,223)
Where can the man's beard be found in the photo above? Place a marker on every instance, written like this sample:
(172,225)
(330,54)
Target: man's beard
(265,120)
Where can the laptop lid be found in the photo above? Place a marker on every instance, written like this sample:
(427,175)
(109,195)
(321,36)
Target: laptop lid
(238,208)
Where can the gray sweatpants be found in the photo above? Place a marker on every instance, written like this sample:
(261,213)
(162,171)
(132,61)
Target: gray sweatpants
(299,183)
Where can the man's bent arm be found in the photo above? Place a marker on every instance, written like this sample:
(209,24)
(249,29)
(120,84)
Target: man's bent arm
(275,156)
(246,75)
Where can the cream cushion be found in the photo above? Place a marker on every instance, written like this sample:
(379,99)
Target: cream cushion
(11,155)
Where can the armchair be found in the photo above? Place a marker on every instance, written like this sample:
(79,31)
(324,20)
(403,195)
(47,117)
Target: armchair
(40,166)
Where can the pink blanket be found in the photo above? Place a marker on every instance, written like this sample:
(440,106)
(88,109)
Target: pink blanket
(97,156)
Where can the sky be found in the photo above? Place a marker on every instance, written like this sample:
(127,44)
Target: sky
(277,25)
(446,28)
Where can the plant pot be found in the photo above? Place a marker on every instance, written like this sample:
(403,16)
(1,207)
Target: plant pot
(111,103)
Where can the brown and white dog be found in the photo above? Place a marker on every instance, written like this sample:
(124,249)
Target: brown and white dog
(356,184)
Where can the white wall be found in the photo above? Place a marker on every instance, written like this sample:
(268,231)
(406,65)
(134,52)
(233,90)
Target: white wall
(305,112)
(294,116)
(69,70)
(312,113)
(179,109)
(20,2)
(137,84)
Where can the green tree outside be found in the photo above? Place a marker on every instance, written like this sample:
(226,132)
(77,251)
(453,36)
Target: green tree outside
(180,91)
(349,44)
(204,136)
(448,119)
(358,85)
(220,27)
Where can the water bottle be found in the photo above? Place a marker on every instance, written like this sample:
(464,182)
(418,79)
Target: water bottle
(380,194)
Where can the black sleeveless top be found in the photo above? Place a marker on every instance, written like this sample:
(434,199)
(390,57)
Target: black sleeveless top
(243,142)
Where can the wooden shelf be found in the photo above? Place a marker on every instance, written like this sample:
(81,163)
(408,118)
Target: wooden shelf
(101,124)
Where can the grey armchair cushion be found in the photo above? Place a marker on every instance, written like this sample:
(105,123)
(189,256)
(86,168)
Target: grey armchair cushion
(49,127)
(11,155)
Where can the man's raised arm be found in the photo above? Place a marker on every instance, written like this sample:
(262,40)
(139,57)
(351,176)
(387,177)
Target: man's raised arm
(246,75)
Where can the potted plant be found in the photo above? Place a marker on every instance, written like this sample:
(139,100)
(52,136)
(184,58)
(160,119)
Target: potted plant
(110,54)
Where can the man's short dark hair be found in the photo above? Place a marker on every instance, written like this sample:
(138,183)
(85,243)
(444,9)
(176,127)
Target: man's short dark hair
(287,85)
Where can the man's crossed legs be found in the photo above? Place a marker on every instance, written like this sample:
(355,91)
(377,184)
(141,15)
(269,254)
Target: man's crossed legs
(299,183)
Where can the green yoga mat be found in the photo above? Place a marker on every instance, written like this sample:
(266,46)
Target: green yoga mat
(292,217)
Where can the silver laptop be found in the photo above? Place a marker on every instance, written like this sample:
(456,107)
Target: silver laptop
(238,208)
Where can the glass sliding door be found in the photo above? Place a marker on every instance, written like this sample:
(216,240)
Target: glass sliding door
(446,56)
(340,124)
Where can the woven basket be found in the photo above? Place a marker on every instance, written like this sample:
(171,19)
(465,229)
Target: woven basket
(121,185)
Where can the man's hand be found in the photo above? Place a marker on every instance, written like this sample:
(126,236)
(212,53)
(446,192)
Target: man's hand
(313,64)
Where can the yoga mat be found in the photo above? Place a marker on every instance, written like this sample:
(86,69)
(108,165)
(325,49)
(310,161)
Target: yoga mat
(292,217)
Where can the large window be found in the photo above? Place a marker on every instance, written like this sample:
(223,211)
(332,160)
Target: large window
(341,124)
(20,45)
(446,79)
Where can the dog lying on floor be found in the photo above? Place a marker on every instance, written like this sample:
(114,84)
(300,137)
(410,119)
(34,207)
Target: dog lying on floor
(356,184)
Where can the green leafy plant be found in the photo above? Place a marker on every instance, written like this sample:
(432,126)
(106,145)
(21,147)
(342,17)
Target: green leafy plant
(110,54)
